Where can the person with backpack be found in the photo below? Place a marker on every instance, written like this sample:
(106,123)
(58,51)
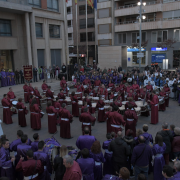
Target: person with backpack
(148,137)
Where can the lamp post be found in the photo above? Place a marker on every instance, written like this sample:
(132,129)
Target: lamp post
(140,19)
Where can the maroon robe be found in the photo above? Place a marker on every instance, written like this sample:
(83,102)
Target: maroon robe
(66,118)
(128,89)
(154,109)
(6,111)
(57,106)
(31,90)
(86,120)
(49,95)
(97,83)
(62,84)
(75,106)
(116,104)
(111,85)
(101,111)
(132,103)
(38,96)
(131,118)
(62,98)
(80,88)
(21,114)
(51,111)
(162,107)
(30,167)
(73,173)
(167,90)
(26,93)
(117,122)
(89,104)
(122,87)
(149,87)
(35,117)
(87,82)
(103,92)
(108,123)
(131,95)
(11,95)
(44,87)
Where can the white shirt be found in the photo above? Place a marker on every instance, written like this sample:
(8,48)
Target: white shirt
(146,82)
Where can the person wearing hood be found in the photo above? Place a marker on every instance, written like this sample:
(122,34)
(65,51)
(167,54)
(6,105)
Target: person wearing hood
(120,151)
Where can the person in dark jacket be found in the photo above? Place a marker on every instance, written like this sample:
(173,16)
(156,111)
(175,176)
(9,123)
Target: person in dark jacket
(21,72)
(176,143)
(63,68)
(120,151)
(175,90)
(59,167)
(167,139)
(119,69)
(17,76)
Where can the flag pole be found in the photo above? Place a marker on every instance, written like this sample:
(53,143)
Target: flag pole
(95,18)
(77,39)
(86,36)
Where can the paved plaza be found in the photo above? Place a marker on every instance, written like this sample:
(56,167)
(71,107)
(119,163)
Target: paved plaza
(171,115)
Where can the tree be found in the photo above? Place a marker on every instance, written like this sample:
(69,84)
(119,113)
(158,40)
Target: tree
(167,43)
(143,44)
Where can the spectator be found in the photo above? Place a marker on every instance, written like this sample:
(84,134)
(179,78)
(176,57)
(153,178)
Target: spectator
(146,135)
(17,76)
(141,177)
(120,151)
(172,126)
(63,68)
(75,68)
(35,74)
(59,167)
(21,72)
(141,156)
(176,143)
(119,68)
(73,170)
(175,90)
(54,70)
(167,139)
(95,66)
(177,169)
(167,172)
(40,72)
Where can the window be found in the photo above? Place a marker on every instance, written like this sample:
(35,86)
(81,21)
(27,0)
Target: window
(91,36)
(52,5)
(136,59)
(90,22)
(36,3)
(39,32)
(122,38)
(90,10)
(69,10)
(54,31)
(81,0)
(171,15)
(104,13)
(82,10)
(177,34)
(135,37)
(5,28)
(82,23)
(102,0)
(69,36)
(159,36)
(105,42)
(69,23)
(104,28)
(82,37)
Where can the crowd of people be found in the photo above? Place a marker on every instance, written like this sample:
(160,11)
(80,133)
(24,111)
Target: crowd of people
(136,153)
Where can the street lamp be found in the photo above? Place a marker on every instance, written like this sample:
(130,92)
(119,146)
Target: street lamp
(140,19)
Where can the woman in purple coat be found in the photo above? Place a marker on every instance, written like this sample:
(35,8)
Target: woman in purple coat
(158,150)
(97,155)
(12,77)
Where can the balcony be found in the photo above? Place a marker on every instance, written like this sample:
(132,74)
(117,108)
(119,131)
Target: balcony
(148,24)
(69,16)
(104,36)
(150,7)
(69,3)
(70,29)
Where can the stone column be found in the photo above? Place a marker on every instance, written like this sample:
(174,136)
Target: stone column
(29,53)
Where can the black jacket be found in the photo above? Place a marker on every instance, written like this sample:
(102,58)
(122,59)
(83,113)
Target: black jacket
(119,69)
(59,168)
(120,150)
(167,139)
(130,142)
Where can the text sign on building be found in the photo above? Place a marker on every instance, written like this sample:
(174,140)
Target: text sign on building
(158,49)
(28,75)
(135,49)
(140,55)
(158,58)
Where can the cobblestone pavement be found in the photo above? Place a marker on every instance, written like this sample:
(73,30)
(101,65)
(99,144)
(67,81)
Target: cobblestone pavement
(171,115)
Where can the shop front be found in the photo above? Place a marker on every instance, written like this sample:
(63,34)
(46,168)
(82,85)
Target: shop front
(6,60)
(176,58)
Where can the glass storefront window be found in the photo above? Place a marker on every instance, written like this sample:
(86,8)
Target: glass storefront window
(6,60)
(136,59)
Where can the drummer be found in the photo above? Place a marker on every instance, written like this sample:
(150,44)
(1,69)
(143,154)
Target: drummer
(38,96)
(89,104)
(115,103)
(136,88)
(103,91)
(49,94)
(101,111)
(85,106)
(131,94)
(122,88)
(44,86)
(31,89)
(61,96)
(80,88)
(167,90)
(62,83)
(149,87)
(11,95)
(57,104)
(91,91)
(26,92)
(162,107)
(97,82)
(87,81)
(130,102)
(75,106)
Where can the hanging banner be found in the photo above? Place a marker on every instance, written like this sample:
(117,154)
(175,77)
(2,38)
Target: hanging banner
(28,74)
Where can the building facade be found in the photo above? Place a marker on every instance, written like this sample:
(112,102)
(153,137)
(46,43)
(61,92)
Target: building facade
(32,32)
(118,25)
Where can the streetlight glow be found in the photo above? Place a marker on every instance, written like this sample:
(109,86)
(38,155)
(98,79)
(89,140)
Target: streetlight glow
(144,3)
(143,17)
(138,3)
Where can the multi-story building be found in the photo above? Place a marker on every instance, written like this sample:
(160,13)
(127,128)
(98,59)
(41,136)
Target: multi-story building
(32,32)
(118,25)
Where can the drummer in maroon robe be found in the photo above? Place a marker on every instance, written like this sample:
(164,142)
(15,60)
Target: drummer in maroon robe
(26,92)
(111,85)
(6,110)
(108,124)
(49,94)
(31,169)
(75,106)
(131,94)
(57,104)
(149,87)
(89,104)
(86,119)
(116,120)
(38,96)
(66,119)
(80,88)
(61,96)
(135,87)
(103,91)
(22,111)
(154,108)
(162,107)
(62,83)
(97,82)
(35,115)
(44,86)
(131,118)
(51,111)
(87,81)
(84,106)
(91,91)
(167,90)
(6,161)
(101,112)
(127,89)
(116,103)
(130,102)
(121,89)
(31,89)
(11,95)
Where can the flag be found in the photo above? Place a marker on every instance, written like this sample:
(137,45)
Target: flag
(75,2)
(95,4)
(66,1)
(90,3)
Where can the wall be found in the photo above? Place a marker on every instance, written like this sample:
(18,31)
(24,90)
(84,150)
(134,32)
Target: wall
(109,56)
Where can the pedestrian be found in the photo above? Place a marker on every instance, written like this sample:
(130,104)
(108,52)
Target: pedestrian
(35,74)
(35,143)
(63,68)
(167,172)
(40,72)
(54,70)
(177,169)
(17,76)
(21,72)
(75,68)
(176,143)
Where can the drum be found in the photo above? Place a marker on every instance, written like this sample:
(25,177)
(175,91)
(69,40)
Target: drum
(14,103)
(68,101)
(106,108)
(78,94)
(94,105)
(55,97)
(115,94)
(95,99)
(107,102)
(142,106)
(80,103)
(85,87)
(124,102)
(43,100)
(138,111)
(122,109)
(83,97)
(109,90)
(161,100)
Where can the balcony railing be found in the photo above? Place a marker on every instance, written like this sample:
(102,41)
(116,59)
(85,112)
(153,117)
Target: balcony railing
(134,5)
(169,1)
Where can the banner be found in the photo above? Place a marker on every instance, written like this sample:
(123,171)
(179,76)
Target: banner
(158,58)
(28,74)
(90,3)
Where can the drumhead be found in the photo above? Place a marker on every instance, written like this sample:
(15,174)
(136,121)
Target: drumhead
(80,102)
(106,107)
(14,102)
(137,109)
(124,102)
